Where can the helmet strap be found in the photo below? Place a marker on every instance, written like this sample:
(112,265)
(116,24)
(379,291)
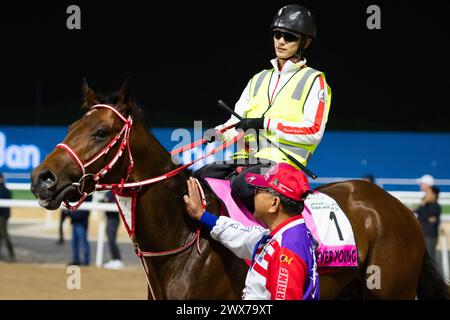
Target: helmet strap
(300,50)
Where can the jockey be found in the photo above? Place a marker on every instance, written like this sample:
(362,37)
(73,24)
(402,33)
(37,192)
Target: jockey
(283,263)
(287,105)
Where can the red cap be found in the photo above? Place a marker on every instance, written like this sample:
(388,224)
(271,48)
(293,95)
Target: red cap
(283,178)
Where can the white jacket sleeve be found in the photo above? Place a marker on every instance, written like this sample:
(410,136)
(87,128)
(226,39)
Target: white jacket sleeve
(311,129)
(241,240)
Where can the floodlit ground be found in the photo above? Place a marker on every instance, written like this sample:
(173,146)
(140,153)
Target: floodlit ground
(41,268)
(49,282)
(41,273)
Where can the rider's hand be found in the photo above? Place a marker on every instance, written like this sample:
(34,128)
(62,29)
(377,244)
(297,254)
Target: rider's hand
(193,200)
(254,123)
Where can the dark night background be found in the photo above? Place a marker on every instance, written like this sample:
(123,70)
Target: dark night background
(187,55)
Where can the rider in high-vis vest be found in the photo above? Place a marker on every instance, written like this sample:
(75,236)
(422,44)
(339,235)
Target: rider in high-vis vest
(285,107)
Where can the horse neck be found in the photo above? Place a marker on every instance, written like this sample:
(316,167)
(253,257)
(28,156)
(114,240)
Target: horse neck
(150,157)
(160,220)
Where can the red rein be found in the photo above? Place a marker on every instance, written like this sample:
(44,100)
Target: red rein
(125,143)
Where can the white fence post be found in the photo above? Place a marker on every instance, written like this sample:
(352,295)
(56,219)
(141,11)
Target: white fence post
(444,253)
(49,219)
(100,240)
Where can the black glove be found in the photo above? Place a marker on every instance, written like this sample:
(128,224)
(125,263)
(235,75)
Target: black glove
(254,123)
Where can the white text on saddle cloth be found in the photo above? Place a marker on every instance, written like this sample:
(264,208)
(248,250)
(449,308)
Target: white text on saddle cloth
(126,204)
(332,230)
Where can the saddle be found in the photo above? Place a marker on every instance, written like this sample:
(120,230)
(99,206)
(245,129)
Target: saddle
(328,224)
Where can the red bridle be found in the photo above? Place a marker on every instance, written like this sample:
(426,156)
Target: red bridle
(125,143)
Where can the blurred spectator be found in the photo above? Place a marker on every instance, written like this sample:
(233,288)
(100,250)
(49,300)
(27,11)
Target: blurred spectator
(429,213)
(369,177)
(4,216)
(63,215)
(425,182)
(80,219)
(112,225)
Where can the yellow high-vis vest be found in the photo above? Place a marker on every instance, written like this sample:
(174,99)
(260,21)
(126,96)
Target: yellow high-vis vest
(288,105)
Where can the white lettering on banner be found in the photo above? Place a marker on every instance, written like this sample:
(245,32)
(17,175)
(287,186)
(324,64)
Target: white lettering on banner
(18,156)
(184,137)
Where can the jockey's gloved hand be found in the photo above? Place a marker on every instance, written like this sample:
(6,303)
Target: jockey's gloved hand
(253,123)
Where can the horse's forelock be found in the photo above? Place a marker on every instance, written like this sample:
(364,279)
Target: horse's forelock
(90,111)
(112,99)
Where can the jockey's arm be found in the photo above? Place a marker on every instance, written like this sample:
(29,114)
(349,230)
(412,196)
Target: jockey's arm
(241,240)
(311,129)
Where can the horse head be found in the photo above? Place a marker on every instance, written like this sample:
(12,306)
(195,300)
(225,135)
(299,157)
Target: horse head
(94,143)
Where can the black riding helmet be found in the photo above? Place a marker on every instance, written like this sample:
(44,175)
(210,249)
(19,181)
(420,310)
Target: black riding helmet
(296,19)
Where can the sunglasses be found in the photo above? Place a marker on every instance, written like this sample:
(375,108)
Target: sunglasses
(287,36)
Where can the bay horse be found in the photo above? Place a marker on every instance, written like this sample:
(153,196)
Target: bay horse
(387,233)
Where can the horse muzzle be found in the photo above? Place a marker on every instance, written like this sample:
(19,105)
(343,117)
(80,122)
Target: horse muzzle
(45,186)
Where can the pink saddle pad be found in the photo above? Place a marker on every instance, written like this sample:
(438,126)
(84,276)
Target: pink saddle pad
(238,212)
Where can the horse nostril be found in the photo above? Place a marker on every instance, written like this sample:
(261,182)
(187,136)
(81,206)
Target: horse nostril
(47,179)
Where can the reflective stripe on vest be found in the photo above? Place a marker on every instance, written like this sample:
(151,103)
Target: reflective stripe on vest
(259,81)
(270,143)
(298,151)
(301,84)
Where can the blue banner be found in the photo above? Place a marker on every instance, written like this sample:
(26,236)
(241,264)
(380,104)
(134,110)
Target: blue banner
(340,154)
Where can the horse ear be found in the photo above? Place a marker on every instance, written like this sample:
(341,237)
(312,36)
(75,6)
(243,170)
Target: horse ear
(126,98)
(90,98)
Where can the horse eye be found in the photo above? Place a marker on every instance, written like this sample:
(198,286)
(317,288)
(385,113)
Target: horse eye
(101,134)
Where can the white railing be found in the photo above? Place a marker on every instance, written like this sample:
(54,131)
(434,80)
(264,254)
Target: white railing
(18,186)
(415,197)
(407,197)
(320,180)
(14,203)
(443,241)
(97,209)
(383,181)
